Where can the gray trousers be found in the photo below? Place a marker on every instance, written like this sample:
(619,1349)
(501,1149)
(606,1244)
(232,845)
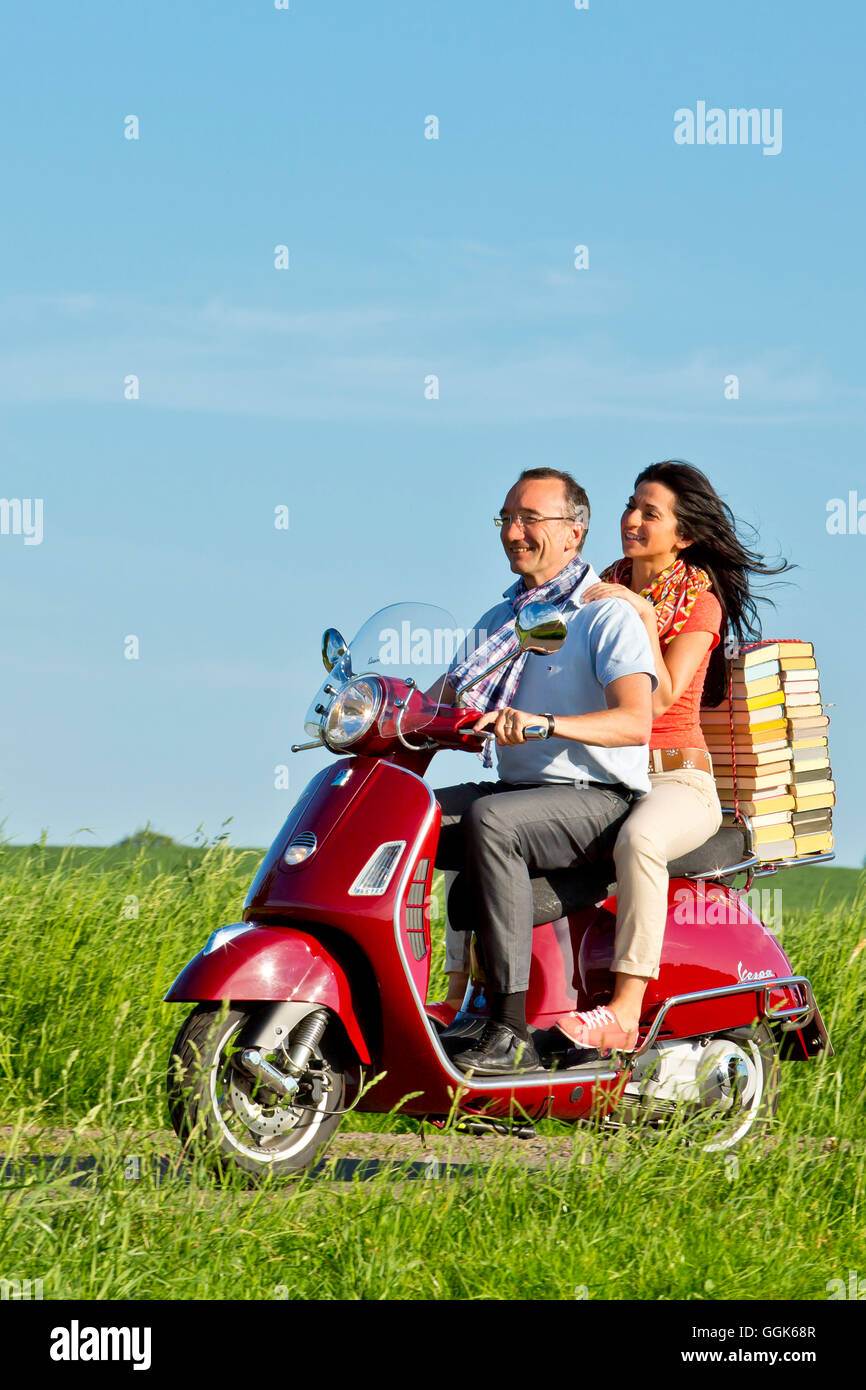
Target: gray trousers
(499,834)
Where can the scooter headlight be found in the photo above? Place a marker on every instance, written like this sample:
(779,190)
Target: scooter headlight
(353,712)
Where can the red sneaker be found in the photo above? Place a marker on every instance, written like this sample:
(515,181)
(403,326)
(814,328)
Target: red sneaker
(599,1028)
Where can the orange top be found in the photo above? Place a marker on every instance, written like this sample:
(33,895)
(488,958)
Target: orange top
(679,726)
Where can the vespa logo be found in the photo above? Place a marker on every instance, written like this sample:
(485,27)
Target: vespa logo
(743,975)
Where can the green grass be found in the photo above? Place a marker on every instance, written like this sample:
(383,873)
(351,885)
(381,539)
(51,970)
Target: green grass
(84,1039)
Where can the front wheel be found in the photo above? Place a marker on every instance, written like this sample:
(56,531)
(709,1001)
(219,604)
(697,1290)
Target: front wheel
(221,1113)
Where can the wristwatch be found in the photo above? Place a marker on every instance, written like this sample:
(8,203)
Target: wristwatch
(550,724)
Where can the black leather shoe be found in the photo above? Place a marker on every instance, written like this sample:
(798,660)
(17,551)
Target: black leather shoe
(498,1052)
(463,1031)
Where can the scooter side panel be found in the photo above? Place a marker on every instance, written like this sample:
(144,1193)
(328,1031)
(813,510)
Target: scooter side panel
(712,939)
(272,963)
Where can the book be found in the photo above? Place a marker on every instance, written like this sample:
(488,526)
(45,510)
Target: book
(812,765)
(801,727)
(814,844)
(764,651)
(799,680)
(749,742)
(789,648)
(758,671)
(750,689)
(803,704)
(776,817)
(756,806)
(801,744)
(748,782)
(763,833)
(805,775)
(797,663)
(812,802)
(745,702)
(772,758)
(766,719)
(812,787)
(780,849)
(809,822)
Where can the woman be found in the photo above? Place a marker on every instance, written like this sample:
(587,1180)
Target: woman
(686,574)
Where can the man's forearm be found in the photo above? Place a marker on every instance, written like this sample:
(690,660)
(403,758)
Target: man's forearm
(606,728)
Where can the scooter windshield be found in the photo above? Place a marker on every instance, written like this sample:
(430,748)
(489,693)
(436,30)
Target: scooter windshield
(406,642)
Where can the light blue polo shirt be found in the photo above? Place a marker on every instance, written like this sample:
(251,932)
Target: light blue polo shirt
(606,639)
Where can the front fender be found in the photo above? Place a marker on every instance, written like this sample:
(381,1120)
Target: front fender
(272,964)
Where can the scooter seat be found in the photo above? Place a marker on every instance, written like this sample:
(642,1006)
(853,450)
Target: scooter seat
(561,891)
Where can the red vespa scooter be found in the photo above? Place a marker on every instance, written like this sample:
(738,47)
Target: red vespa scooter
(314,1003)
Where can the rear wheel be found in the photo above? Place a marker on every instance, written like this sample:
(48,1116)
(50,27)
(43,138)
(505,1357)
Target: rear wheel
(748,1077)
(724,1087)
(223,1114)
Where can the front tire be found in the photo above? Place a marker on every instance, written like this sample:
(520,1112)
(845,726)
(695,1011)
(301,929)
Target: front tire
(221,1114)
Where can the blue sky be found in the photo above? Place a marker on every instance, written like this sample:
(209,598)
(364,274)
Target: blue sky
(305,387)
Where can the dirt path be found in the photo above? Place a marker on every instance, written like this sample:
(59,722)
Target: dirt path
(352,1152)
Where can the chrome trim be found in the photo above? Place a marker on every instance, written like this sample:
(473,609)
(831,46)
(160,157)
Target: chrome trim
(379,691)
(771,866)
(765,866)
(740,868)
(256,1066)
(305,839)
(221,936)
(398,727)
(356,892)
(302,747)
(797,1017)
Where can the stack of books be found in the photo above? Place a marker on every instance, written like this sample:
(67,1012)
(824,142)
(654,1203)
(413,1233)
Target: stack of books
(812,784)
(780,750)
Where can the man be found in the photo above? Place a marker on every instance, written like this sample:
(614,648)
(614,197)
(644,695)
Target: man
(559,802)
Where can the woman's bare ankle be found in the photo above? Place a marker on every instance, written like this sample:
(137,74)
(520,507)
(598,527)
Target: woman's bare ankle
(627,1000)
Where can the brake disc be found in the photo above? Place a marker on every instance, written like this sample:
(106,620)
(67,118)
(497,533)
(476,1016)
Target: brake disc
(260,1119)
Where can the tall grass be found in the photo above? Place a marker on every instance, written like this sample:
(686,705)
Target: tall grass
(84,1039)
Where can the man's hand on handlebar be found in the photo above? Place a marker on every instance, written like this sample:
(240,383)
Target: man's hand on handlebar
(510,725)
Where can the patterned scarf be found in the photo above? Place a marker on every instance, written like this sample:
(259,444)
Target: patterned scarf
(498,690)
(672,593)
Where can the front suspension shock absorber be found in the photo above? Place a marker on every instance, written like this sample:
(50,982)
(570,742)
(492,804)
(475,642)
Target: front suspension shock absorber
(305,1039)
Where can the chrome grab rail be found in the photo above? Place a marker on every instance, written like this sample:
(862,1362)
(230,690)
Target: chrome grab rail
(803,1013)
(764,866)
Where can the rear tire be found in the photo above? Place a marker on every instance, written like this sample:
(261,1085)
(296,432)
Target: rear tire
(751,1120)
(222,1115)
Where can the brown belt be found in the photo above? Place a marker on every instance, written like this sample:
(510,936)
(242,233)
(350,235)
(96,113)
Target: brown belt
(670,759)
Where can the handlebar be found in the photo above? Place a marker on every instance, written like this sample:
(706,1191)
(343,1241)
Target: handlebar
(531,731)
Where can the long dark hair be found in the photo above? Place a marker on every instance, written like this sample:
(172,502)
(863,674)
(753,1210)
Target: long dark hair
(716,548)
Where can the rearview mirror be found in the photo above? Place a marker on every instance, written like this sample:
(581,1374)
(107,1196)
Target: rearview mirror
(333,647)
(540,627)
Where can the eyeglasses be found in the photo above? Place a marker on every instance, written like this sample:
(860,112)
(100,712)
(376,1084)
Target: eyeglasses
(525,519)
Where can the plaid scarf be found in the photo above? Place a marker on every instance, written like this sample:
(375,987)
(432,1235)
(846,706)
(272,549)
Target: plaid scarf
(672,592)
(498,690)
